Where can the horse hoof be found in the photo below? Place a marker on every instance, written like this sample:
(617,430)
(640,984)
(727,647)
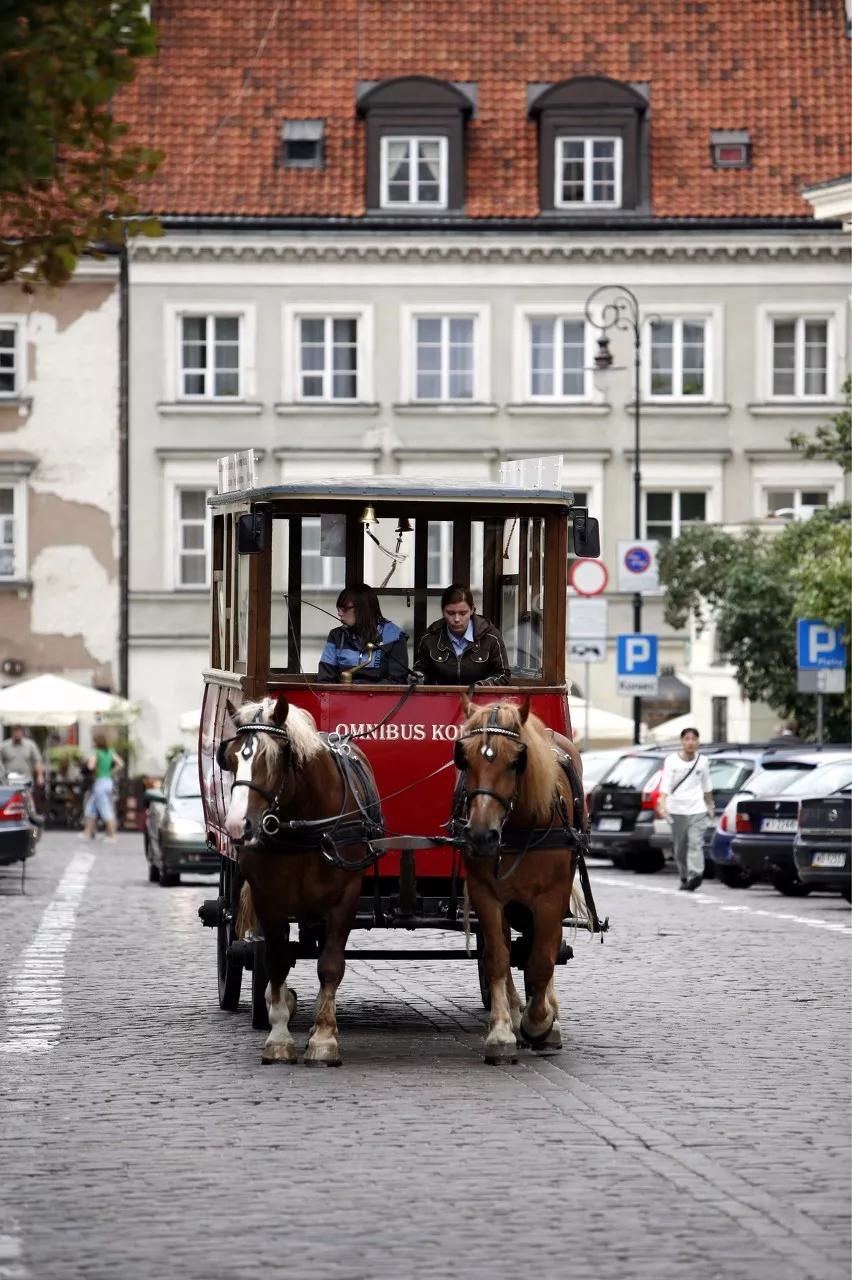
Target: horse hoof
(549,1042)
(323,1062)
(273,1053)
(497,1055)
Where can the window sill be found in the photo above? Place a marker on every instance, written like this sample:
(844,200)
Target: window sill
(784,408)
(227,408)
(675,408)
(23,404)
(322,408)
(468,408)
(552,409)
(22,587)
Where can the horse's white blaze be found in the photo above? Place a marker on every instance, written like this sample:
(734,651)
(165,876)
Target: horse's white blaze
(235,821)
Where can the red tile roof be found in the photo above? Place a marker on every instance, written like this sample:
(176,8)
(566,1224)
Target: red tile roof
(229,74)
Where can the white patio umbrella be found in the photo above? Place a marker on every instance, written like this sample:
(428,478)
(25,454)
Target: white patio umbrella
(593,725)
(190,721)
(56,702)
(670,730)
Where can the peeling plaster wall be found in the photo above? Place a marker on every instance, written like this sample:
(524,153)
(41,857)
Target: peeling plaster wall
(69,621)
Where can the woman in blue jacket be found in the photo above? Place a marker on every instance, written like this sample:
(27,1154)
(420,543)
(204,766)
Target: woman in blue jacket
(363,625)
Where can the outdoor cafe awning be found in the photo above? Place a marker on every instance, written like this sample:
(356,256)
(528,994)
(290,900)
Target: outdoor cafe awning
(56,702)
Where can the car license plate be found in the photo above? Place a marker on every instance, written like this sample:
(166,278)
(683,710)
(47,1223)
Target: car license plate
(828,860)
(609,824)
(778,825)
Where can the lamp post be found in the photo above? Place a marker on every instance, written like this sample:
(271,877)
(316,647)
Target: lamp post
(617,307)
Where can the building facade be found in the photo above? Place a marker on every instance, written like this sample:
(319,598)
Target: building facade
(59,579)
(377,259)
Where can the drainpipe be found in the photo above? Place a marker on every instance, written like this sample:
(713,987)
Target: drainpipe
(123,462)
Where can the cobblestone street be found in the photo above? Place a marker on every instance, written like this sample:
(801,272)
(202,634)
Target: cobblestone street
(696,1125)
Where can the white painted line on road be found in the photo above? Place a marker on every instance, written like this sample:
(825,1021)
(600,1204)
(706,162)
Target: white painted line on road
(812,922)
(34,997)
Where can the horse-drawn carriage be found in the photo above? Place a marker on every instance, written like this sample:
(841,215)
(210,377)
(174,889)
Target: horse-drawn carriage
(374,809)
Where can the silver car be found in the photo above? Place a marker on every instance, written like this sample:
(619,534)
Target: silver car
(175,835)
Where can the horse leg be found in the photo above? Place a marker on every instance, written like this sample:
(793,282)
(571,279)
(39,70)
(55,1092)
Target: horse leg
(280,1000)
(323,1046)
(516,1004)
(500,1042)
(540,1021)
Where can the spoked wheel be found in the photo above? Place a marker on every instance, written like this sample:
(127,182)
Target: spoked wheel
(259,979)
(230,970)
(484,984)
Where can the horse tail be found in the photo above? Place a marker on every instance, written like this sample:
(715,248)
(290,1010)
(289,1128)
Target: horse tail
(246,921)
(466,919)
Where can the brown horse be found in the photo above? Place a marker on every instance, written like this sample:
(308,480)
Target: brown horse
(519,842)
(299,812)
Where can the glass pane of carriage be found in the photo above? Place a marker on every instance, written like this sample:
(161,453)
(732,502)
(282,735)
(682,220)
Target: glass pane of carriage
(409,586)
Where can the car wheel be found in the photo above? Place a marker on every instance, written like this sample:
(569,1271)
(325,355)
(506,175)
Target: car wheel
(168,879)
(709,869)
(153,873)
(734,877)
(846,892)
(649,862)
(790,886)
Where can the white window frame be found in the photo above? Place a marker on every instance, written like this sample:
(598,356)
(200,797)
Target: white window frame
(327,582)
(184,473)
(179,550)
(16,323)
(712,317)
(481,316)
(445,551)
(384,178)
(588,143)
(799,322)
(834,315)
(175,313)
(558,318)
(679,490)
(20,495)
(292,314)
(796,475)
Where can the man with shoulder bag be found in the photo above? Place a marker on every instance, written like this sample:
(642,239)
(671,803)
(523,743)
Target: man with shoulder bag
(686,799)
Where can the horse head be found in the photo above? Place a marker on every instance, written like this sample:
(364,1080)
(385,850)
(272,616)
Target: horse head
(261,757)
(491,754)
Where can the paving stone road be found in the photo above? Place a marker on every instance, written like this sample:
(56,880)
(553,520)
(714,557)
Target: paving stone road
(696,1125)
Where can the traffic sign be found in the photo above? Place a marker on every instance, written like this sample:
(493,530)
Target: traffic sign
(588,622)
(819,647)
(637,664)
(588,577)
(821,680)
(637,566)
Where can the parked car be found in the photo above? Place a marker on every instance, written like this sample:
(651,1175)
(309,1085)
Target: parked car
(766,826)
(821,849)
(596,764)
(769,779)
(622,811)
(175,835)
(18,832)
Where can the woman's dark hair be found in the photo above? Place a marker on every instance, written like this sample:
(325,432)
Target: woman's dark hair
(455,593)
(689,729)
(368,611)
(99,740)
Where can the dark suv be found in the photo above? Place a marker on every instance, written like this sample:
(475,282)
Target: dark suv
(823,843)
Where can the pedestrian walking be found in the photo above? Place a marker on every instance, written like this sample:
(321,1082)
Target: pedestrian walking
(100,802)
(686,799)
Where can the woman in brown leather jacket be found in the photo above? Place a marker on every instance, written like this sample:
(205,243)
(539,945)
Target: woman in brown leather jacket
(461,647)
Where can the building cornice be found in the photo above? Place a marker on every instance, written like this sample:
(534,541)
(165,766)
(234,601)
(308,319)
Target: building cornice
(337,246)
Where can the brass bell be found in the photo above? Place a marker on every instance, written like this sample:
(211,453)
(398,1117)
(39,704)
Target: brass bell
(368,515)
(404,525)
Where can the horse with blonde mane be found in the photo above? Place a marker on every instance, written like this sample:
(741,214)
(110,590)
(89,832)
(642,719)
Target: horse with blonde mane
(519,817)
(301,813)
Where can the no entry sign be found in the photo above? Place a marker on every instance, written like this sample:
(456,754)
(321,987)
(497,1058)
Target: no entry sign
(588,577)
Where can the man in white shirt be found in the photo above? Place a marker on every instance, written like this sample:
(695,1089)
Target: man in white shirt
(686,799)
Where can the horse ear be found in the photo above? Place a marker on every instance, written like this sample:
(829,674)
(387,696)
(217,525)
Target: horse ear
(524,710)
(231,710)
(467,706)
(459,757)
(279,714)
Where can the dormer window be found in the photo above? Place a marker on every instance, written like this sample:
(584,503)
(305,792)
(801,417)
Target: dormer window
(593,145)
(413,172)
(730,148)
(415,144)
(588,172)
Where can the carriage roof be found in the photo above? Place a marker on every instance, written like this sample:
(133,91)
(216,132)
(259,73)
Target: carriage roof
(400,488)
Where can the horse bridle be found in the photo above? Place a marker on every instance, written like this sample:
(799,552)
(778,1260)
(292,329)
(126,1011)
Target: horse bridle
(487,751)
(269,822)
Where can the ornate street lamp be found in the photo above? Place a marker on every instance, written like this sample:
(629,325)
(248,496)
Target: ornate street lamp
(614,306)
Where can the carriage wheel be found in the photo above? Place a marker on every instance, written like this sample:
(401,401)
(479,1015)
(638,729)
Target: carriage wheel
(259,979)
(230,971)
(484,984)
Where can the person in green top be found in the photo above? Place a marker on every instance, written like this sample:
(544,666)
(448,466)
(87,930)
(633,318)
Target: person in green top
(99,802)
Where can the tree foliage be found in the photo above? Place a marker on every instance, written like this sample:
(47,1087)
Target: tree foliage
(67,170)
(754,586)
(833,440)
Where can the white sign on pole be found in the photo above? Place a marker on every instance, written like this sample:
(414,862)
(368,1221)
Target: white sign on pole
(533,473)
(588,577)
(588,622)
(236,472)
(637,566)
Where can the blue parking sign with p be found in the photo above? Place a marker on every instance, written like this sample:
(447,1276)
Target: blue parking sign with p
(818,646)
(636,655)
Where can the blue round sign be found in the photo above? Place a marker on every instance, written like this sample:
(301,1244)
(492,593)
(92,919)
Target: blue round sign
(637,559)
